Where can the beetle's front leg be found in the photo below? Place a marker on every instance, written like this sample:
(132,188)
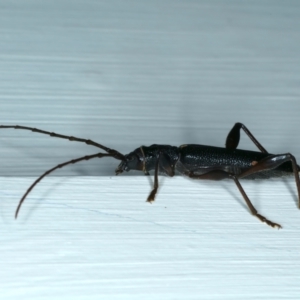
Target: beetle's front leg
(163,163)
(151,196)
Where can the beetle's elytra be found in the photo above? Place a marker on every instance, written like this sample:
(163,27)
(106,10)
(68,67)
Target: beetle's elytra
(194,161)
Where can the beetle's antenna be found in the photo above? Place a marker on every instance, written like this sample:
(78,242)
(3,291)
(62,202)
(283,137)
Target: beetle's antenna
(114,153)
(73,161)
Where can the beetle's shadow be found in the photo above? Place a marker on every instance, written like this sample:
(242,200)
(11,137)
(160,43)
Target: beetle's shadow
(291,190)
(224,185)
(234,193)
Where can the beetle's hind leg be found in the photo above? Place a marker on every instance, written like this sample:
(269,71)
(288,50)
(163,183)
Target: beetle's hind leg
(252,208)
(233,137)
(219,174)
(272,162)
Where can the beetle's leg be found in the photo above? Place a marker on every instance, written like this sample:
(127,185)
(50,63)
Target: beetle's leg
(164,164)
(151,196)
(233,137)
(251,207)
(272,162)
(114,153)
(220,174)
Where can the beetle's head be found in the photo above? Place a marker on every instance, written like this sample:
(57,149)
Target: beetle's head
(132,161)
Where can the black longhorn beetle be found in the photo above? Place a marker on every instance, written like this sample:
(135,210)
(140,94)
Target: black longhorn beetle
(194,161)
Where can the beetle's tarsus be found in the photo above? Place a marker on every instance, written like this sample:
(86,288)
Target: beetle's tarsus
(151,197)
(268,222)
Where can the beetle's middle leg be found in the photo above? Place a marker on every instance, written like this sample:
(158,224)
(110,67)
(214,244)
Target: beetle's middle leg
(221,174)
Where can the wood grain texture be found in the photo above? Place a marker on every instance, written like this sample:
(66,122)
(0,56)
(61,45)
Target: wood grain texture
(96,237)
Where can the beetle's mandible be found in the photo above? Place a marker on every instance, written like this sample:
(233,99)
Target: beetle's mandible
(194,161)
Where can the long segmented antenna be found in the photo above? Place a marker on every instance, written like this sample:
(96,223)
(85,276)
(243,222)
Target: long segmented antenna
(114,153)
(73,161)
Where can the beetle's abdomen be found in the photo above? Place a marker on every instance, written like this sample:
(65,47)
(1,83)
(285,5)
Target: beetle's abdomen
(195,157)
(198,155)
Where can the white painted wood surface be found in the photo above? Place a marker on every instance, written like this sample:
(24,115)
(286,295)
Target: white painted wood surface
(128,73)
(97,238)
